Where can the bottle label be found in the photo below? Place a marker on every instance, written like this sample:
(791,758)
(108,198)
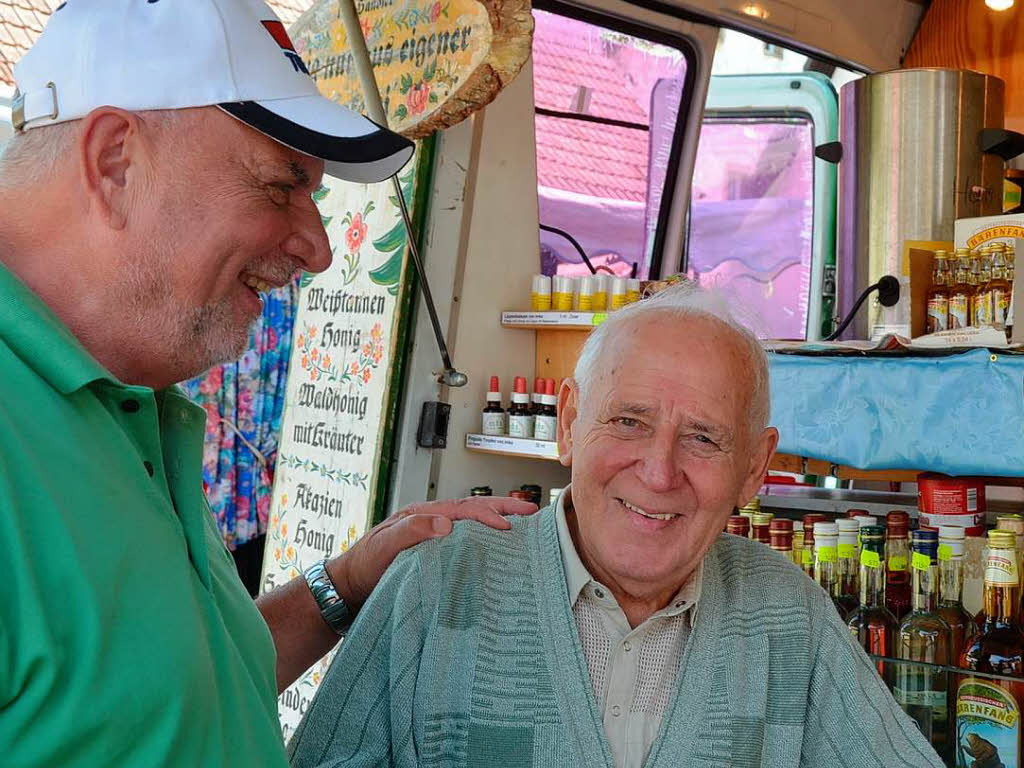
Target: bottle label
(494,424)
(544,427)
(1000,304)
(520,426)
(826,554)
(1001,567)
(920,562)
(847,551)
(987,725)
(870,559)
(982,306)
(561,302)
(959,309)
(898,563)
(540,302)
(806,558)
(938,313)
(945,552)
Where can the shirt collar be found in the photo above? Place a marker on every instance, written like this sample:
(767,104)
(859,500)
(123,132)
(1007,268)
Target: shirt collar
(36,335)
(578,578)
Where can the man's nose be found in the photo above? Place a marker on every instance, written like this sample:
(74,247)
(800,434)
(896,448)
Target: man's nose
(308,241)
(658,468)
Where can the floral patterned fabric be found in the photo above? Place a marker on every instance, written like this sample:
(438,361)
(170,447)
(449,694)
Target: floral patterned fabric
(243,402)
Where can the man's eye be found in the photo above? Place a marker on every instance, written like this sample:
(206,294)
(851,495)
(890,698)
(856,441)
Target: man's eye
(280,193)
(625,421)
(706,441)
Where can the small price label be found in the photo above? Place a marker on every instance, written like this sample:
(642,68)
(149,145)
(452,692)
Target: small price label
(847,551)
(921,561)
(599,317)
(945,552)
(827,554)
(805,557)
(898,563)
(870,559)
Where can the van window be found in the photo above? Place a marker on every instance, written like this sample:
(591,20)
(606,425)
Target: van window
(761,225)
(607,100)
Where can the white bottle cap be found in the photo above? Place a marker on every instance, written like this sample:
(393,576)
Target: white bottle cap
(848,525)
(798,525)
(825,529)
(620,286)
(586,286)
(867,520)
(542,285)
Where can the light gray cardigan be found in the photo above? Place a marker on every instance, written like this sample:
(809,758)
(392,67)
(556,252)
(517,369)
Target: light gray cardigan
(467,655)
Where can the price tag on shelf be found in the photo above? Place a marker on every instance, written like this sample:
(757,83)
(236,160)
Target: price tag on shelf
(847,551)
(827,554)
(599,317)
(897,563)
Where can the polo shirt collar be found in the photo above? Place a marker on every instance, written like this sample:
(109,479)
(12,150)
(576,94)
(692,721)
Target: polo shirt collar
(36,335)
(577,577)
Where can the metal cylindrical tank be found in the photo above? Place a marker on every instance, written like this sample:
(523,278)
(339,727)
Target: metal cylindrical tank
(910,167)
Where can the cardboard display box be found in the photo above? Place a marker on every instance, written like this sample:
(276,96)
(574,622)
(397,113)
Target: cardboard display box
(984,230)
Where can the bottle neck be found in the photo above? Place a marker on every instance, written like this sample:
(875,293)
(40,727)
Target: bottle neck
(924,588)
(826,572)
(872,584)
(951,581)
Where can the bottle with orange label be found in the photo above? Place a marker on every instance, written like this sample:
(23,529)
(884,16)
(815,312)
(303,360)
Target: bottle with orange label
(938,296)
(999,288)
(981,275)
(988,710)
(960,291)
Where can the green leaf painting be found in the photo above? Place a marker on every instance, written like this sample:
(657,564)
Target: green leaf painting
(393,243)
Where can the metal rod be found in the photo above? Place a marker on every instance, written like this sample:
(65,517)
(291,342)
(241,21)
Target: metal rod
(375,108)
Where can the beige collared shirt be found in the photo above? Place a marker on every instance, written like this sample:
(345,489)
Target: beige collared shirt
(633,671)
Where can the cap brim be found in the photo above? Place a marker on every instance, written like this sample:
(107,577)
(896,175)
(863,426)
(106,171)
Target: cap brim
(352,147)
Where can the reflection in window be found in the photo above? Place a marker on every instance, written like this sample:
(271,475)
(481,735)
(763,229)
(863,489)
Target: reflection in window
(607,105)
(752,216)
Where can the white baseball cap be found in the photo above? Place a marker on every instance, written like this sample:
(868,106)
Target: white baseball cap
(172,54)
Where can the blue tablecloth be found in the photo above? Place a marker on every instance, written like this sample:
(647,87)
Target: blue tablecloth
(961,414)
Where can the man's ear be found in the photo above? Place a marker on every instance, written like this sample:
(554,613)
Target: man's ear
(568,410)
(109,148)
(760,458)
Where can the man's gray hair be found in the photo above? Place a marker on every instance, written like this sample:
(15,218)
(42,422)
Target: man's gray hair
(682,301)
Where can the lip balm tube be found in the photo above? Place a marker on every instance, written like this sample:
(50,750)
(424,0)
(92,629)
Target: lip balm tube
(620,287)
(586,294)
(599,301)
(561,294)
(540,295)
(632,291)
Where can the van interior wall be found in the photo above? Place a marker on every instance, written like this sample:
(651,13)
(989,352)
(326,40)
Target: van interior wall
(966,34)
(502,252)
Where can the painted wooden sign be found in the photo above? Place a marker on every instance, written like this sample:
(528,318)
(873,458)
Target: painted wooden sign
(436,61)
(335,401)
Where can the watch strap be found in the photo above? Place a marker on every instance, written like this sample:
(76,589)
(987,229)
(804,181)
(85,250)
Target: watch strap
(333,608)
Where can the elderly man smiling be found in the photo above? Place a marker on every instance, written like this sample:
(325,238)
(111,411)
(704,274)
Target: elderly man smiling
(620,627)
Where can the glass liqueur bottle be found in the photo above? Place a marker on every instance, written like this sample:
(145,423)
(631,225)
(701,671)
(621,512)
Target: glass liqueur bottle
(924,636)
(847,565)
(807,550)
(897,560)
(960,292)
(988,727)
(872,624)
(826,566)
(951,582)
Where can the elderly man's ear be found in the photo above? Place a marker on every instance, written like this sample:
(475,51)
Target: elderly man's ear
(760,458)
(110,149)
(568,410)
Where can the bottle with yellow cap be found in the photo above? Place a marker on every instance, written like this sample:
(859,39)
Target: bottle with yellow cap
(748,511)
(987,708)
(760,527)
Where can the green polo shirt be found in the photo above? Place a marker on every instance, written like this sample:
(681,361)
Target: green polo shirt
(126,637)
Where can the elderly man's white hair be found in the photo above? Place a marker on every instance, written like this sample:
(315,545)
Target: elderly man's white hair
(682,301)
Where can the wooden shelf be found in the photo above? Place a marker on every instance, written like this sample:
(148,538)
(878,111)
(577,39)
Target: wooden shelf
(784,462)
(566,321)
(520,447)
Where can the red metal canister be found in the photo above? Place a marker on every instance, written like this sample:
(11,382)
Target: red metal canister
(944,500)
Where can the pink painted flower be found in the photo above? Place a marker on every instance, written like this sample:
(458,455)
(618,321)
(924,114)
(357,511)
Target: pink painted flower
(356,233)
(435,12)
(354,369)
(375,332)
(314,355)
(366,375)
(417,98)
(305,362)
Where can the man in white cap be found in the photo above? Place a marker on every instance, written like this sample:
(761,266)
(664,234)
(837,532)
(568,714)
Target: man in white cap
(159,181)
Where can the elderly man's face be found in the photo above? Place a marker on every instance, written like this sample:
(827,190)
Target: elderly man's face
(661,451)
(230,216)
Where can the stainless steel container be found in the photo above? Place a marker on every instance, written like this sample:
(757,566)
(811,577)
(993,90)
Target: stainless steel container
(910,167)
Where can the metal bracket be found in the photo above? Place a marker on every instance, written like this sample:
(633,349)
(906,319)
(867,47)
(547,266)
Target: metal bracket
(18,108)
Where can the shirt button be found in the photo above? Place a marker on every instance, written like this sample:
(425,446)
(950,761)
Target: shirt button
(616,711)
(627,646)
(149,467)
(680,604)
(599,593)
(130,406)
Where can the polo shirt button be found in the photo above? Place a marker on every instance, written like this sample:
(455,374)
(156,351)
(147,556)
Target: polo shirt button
(599,593)
(130,406)
(616,710)
(627,646)
(680,604)
(149,467)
